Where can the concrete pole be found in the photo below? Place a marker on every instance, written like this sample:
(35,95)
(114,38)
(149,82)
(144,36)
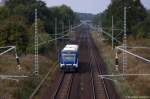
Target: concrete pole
(69,29)
(62,32)
(112,33)
(56,34)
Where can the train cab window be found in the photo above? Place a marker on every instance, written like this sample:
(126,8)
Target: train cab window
(68,57)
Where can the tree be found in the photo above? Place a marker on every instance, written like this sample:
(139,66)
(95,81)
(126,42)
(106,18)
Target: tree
(17,18)
(136,13)
(13,32)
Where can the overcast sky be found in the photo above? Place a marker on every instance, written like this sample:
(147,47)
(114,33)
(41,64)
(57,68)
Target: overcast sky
(87,6)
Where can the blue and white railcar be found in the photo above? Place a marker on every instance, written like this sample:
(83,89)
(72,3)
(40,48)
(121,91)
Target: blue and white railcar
(68,58)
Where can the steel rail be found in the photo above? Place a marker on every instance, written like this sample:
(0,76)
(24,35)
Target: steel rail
(100,72)
(91,71)
(62,79)
(59,86)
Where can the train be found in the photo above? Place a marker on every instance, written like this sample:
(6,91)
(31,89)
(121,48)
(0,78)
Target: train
(68,58)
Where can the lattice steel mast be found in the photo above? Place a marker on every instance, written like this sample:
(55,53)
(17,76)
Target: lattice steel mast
(36,64)
(125,42)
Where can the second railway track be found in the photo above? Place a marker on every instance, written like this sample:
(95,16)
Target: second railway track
(99,88)
(85,84)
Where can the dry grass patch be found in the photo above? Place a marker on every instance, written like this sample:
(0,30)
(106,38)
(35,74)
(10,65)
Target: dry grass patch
(23,88)
(133,85)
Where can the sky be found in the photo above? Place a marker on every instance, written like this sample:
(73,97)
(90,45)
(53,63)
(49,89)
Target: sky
(87,6)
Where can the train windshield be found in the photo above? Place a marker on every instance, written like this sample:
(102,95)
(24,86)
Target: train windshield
(68,57)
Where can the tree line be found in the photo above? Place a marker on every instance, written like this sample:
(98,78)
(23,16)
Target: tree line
(17,19)
(138,18)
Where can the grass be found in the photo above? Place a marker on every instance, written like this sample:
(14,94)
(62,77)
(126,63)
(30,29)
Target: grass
(47,82)
(23,88)
(122,86)
(140,84)
(130,86)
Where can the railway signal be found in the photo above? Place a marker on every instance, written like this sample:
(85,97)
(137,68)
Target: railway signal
(17,59)
(116,62)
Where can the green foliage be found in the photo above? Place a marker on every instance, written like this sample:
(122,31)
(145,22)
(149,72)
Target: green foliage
(97,19)
(13,31)
(17,22)
(142,30)
(136,17)
(62,14)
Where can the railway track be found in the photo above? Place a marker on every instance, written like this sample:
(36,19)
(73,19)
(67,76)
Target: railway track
(64,87)
(92,76)
(85,84)
(100,90)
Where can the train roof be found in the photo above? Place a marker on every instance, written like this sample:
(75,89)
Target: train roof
(70,47)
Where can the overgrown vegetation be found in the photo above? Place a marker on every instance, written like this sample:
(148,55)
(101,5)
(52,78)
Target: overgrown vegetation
(138,18)
(17,28)
(132,85)
(22,89)
(138,32)
(17,22)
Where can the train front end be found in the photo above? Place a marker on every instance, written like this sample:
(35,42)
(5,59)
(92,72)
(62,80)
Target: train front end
(69,58)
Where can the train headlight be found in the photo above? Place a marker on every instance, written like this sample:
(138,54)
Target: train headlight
(76,65)
(61,65)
